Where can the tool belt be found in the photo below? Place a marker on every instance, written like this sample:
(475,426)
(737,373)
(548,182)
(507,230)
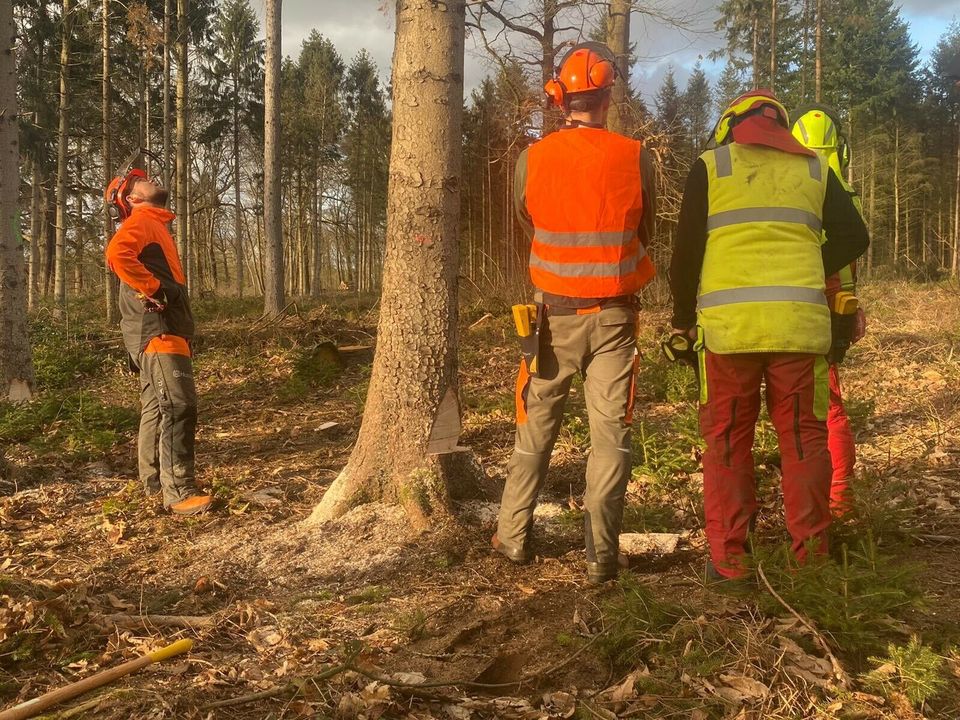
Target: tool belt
(843,323)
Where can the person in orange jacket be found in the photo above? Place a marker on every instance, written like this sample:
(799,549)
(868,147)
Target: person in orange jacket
(157,326)
(586,197)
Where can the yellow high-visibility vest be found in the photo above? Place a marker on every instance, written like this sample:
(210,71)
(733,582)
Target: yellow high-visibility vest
(762,283)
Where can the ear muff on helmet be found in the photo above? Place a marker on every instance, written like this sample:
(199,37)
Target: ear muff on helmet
(843,151)
(748,104)
(129,172)
(585,67)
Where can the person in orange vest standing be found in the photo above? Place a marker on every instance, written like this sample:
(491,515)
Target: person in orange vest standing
(586,197)
(157,326)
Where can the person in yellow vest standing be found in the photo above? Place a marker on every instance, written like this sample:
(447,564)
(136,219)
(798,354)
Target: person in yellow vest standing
(586,198)
(747,276)
(818,127)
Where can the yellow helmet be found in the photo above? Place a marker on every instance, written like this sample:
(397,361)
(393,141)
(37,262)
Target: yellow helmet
(746,103)
(818,128)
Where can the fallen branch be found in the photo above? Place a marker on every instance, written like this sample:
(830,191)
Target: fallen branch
(192,622)
(838,670)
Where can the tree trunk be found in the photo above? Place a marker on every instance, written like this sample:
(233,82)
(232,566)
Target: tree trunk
(107,119)
(36,229)
(756,48)
(413,384)
(60,260)
(618,39)
(183,163)
(273,295)
(167,40)
(16,366)
(955,266)
(896,193)
(773,46)
(237,211)
(818,62)
(551,116)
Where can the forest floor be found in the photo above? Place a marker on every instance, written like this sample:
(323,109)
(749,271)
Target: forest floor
(305,613)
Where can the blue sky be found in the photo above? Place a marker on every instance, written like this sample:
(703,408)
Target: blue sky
(356,24)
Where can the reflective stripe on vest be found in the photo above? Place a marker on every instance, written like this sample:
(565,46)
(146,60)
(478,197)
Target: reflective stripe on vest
(762,284)
(584,194)
(762,293)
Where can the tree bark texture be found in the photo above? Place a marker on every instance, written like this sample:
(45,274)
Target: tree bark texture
(60,259)
(167,135)
(108,169)
(405,452)
(237,211)
(773,46)
(618,40)
(183,162)
(273,289)
(818,61)
(16,368)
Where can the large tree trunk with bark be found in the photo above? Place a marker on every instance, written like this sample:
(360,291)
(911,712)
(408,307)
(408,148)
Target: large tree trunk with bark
(167,135)
(818,61)
(408,438)
(107,120)
(16,368)
(60,260)
(183,163)
(273,289)
(237,211)
(618,39)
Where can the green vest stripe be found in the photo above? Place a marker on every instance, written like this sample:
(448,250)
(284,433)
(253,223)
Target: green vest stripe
(764,214)
(762,293)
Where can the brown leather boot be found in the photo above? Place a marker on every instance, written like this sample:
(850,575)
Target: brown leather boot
(519,556)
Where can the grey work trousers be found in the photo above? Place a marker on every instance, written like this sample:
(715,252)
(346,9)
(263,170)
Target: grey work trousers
(602,347)
(168,424)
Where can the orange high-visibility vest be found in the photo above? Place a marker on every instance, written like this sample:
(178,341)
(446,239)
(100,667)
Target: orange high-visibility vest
(585,197)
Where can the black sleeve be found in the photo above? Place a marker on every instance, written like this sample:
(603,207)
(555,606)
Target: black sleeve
(648,181)
(520,194)
(846,233)
(689,247)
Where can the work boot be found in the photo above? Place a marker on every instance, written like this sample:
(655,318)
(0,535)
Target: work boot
(193,505)
(518,556)
(601,572)
(715,580)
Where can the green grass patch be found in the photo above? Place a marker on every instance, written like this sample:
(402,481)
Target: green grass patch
(78,427)
(370,594)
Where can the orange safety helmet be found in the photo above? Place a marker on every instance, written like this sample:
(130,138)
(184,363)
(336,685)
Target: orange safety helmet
(587,66)
(750,102)
(127,176)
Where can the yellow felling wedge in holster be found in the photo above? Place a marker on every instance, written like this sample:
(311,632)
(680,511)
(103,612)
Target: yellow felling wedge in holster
(845,303)
(528,329)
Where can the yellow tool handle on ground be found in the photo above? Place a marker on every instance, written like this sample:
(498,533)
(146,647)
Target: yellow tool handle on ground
(55,697)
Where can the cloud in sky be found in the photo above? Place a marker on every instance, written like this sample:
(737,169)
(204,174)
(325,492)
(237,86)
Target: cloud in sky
(353,25)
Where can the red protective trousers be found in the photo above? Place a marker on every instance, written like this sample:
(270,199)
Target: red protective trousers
(797,399)
(843,453)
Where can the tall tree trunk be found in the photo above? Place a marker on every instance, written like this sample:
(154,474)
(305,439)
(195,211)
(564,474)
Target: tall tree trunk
(16,367)
(872,206)
(183,162)
(413,384)
(107,120)
(167,134)
(273,295)
(60,261)
(955,266)
(818,61)
(36,229)
(756,48)
(237,211)
(806,50)
(773,46)
(551,116)
(618,39)
(896,193)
